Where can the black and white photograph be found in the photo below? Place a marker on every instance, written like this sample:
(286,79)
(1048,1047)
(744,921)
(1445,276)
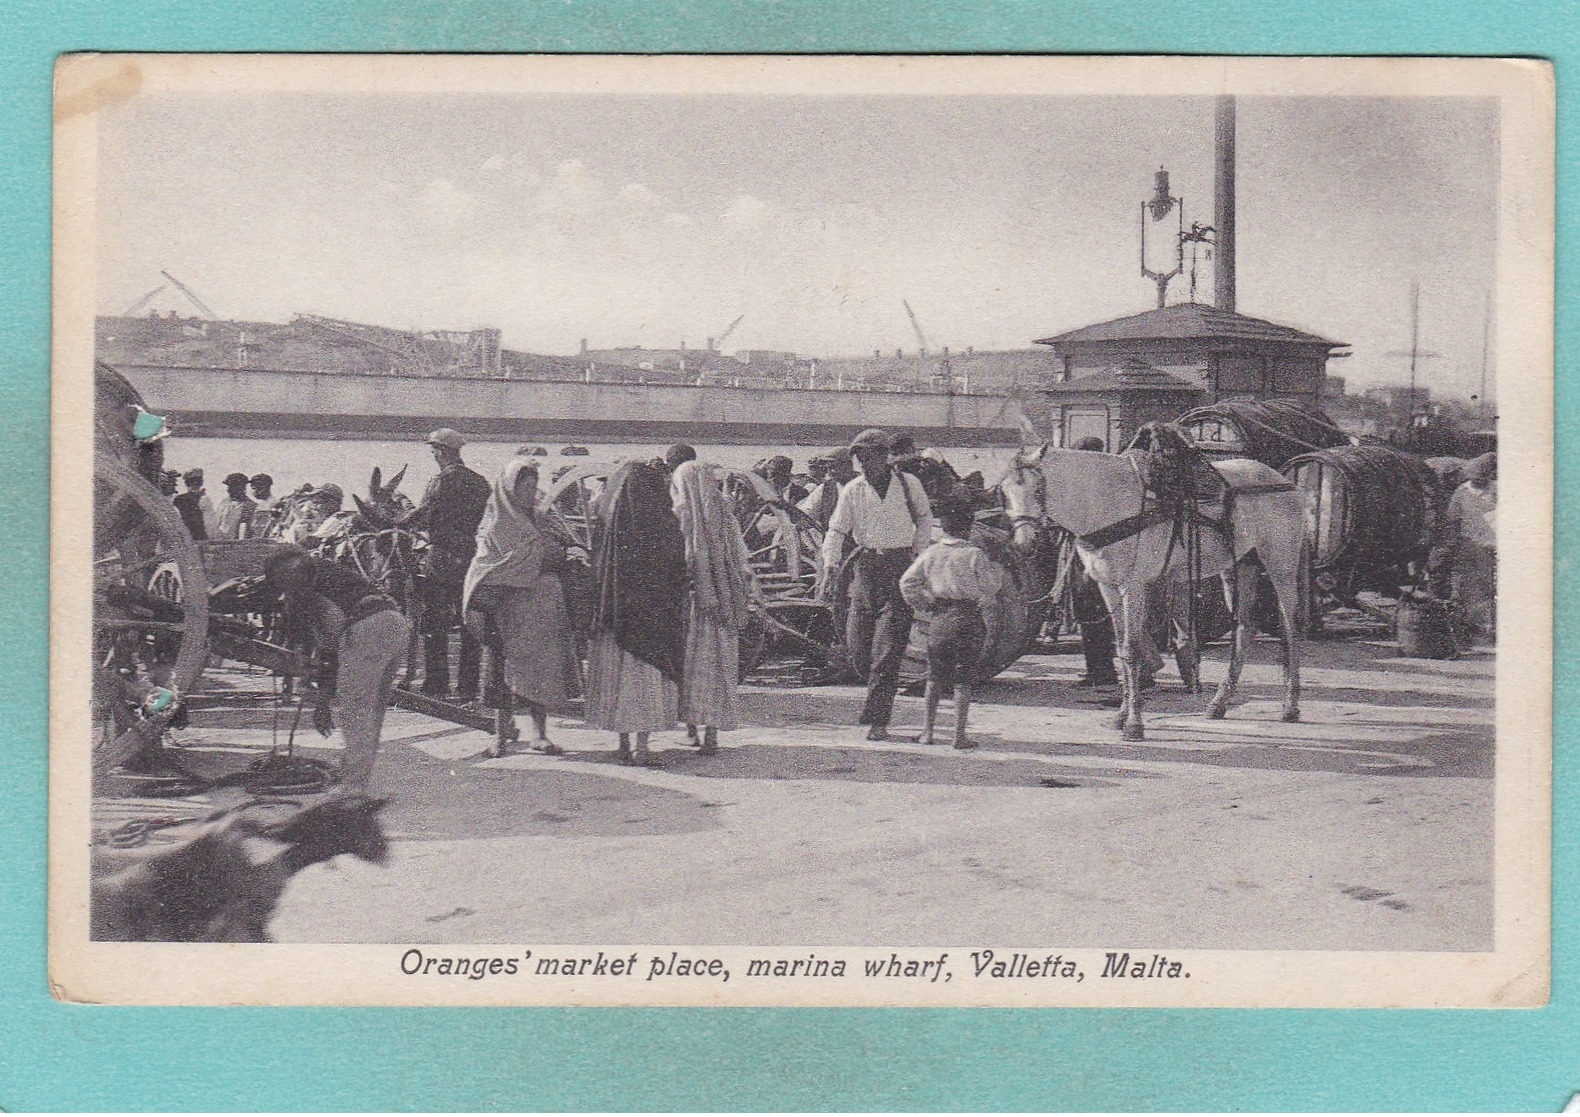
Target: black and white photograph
(914,531)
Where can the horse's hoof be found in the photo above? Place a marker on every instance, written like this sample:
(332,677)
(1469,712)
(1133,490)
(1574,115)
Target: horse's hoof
(1133,733)
(1292,714)
(1217,711)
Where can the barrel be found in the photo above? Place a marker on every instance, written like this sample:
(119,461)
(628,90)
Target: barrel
(1424,630)
(1370,513)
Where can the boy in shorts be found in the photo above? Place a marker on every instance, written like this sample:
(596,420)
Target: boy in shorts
(954,582)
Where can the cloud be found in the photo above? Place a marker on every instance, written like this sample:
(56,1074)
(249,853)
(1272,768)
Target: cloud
(639,195)
(679,220)
(444,203)
(746,211)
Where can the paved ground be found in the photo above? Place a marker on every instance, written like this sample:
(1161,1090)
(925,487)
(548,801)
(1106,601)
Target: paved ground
(1367,827)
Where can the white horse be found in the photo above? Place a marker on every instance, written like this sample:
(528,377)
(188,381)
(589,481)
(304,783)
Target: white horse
(1127,546)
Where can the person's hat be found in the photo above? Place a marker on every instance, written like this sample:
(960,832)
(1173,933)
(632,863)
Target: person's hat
(1482,469)
(902,445)
(262,479)
(235,479)
(194,476)
(870,439)
(330,493)
(444,436)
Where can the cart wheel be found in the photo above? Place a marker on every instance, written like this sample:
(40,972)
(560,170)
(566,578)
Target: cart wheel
(147,634)
(166,582)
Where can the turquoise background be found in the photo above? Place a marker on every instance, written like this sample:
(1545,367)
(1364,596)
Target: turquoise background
(55,1056)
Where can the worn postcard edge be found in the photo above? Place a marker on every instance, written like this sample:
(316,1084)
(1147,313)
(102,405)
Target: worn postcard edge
(1515,973)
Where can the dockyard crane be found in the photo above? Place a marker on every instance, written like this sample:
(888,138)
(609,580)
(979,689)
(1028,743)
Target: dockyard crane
(921,338)
(187,291)
(410,353)
(730,329)
(142,302)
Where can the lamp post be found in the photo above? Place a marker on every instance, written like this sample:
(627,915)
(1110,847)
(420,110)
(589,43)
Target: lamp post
(1160,205)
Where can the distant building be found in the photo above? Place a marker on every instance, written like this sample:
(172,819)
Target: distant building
(1400,398)
(1175,358)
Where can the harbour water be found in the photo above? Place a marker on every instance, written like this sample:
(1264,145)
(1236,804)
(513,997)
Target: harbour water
(293,462)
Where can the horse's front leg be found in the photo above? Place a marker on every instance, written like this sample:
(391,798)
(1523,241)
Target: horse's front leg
(1242,600)
(1288,589)
(1133,647)
(1115,602)
(1187,652)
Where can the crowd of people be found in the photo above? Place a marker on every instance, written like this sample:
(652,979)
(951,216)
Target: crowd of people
(249,508)
(647,627)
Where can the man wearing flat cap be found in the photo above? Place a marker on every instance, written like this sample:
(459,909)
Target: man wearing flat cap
(450,511)
(266,509)
(197,510)
(886,514)
(234,513)
(837,472)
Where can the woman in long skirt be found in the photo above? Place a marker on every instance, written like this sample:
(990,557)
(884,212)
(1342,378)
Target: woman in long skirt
(635,656)
(513,583)
(716,603)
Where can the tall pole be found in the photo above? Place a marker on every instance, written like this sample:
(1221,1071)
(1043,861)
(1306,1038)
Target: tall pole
(1223,202)
(1415,337)
(1486,345)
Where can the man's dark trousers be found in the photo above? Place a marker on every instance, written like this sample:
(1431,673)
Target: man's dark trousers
(441,612)
(1097,631)
(878,628)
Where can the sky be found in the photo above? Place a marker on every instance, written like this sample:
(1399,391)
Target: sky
(630,220)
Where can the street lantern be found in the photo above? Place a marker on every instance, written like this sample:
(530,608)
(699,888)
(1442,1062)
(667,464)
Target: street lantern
(1160,205)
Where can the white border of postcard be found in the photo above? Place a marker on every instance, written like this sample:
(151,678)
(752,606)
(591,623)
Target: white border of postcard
(1514,973)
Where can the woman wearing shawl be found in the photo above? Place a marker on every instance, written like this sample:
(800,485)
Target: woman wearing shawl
(720,577)
(638,640)
(513,581)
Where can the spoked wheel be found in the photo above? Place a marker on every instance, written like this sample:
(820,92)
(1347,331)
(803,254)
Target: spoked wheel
(150,608)
(166,582)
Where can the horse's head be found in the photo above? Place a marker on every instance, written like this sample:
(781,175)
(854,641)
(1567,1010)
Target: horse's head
(1025,493)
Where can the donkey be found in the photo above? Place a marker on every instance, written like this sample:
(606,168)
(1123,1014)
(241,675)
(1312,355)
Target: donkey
(387,553)
(1128,546)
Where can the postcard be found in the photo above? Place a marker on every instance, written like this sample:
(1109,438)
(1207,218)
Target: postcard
(935,531)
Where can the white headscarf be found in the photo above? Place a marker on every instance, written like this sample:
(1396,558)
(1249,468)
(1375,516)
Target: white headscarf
(721,576)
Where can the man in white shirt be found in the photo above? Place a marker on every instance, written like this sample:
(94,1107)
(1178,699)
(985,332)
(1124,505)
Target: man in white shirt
(886,514)
(1471,535)
(234,513)
(837,473)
